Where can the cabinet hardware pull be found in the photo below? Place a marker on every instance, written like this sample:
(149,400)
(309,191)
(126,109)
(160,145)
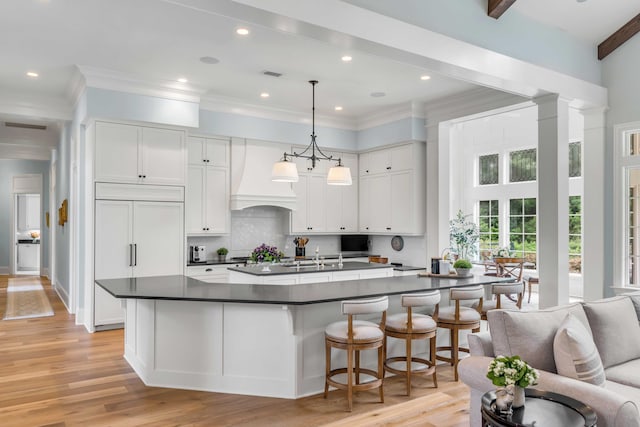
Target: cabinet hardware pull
(209,269)
(139,176)
(144,176)
(135,254)
(388,228)
(367,171)
(130,254)
(388,168)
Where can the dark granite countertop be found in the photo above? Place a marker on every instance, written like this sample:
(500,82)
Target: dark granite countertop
(183,288)
(28,241)
(407,268)
(291,268)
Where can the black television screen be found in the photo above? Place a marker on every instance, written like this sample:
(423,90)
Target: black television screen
(354,243)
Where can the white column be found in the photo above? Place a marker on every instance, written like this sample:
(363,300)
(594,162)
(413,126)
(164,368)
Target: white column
(553,199)
(444,185)
(593,203)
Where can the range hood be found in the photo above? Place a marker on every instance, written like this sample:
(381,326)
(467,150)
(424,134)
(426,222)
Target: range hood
(251,184)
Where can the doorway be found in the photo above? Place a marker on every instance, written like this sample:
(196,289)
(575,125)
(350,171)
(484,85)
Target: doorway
(26,225)
(27,234)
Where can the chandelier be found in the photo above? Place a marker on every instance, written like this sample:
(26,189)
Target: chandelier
(286,171)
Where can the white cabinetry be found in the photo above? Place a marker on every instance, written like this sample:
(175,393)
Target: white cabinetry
(28,256)
(392,190)
(207,196)
(140,155)
(134,239)
(210,273)
(323,208)
(28,212)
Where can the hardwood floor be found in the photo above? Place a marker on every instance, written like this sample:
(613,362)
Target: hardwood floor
(53,373)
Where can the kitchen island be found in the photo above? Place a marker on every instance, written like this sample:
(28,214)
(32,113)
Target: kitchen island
(264,340)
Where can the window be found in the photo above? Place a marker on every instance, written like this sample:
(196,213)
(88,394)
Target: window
(634,144)
(522,228)
(522,165)
(489,226)
(633,235)
(488,169)
(575,159)
(575,234)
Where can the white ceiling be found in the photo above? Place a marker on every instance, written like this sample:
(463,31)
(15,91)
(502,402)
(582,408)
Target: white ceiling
(160,41)
(590,20)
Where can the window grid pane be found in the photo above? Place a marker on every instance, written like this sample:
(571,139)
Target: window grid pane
(488,169)
(522,229)
(575,234)
(522,165)
(488,223)
(575,159)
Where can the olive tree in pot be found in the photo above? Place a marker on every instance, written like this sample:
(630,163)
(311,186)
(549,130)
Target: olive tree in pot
(463,238)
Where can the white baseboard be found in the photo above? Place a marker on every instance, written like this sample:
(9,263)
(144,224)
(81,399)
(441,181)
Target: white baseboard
(4,270)
(62,293)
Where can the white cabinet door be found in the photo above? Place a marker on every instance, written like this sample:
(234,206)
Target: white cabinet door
(350,196)
(316,205)
(402,201)
(380,206)
(195,199)
(217,152)
(116,153)
(158,238)
(28,256)
(197,150)
(299,215)
(113,255)
(217,200)
(379,161)
(333,200)
(365,204)
(163,156)
(402,158)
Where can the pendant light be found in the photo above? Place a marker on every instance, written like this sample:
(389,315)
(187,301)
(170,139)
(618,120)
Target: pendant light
(286,171)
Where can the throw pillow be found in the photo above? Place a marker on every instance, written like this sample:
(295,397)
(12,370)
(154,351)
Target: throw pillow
(575,353)
(614,326)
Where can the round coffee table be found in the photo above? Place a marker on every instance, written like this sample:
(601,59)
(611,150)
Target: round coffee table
(541,408)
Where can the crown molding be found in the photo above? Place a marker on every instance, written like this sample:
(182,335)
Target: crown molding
(392,114)
(230,105)
(76,87)
(114,80)
(468,103)
(39,108)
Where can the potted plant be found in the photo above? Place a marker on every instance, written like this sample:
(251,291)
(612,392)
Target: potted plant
(463,267)
(265,253)
(463,236)
(515,373)
(222,254)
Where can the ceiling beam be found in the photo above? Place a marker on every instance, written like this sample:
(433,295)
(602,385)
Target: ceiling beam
(616,39)
(496,8)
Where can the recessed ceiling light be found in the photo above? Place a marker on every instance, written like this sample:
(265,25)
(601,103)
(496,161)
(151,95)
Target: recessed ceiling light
(209,60)
(32,74)
(378,94)
(425,77)
(346,58)
(182,80)
(242,31)
(338,108)
(581,1)
(264,95)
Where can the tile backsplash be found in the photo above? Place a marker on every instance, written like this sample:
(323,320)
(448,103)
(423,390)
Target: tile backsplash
(262,224)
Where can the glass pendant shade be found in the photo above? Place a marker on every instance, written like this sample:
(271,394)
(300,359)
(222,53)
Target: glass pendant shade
(284,171)
(339,175)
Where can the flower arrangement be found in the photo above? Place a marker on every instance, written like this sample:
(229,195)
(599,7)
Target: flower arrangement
(463,236)
(503,252)
(504,371)
(264,253)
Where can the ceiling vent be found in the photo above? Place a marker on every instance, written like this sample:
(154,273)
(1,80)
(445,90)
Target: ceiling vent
(271,73)
(24,126)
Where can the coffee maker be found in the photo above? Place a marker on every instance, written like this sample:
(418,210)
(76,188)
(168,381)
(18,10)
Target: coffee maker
(197,253)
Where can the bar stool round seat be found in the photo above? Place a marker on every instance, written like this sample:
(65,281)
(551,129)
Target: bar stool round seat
(411,326)
(355,336)
(458,318)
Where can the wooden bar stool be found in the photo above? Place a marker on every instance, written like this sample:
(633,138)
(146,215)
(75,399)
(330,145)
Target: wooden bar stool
(498,290)
(411,326)
(354,336)
(457,318)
